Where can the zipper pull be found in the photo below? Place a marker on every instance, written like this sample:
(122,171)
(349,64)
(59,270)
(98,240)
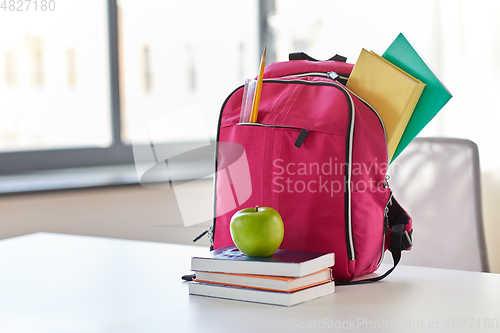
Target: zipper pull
(386,212)
(386,220)
(197,238)
(209,232)
(386,181)
(301,138)
(332,75)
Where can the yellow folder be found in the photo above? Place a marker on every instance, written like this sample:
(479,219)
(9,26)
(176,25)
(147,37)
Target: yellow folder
(390,90)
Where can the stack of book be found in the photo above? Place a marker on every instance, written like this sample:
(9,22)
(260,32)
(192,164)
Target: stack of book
(286,278)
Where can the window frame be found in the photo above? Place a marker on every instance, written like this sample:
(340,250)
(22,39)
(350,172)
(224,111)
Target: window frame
(18,162)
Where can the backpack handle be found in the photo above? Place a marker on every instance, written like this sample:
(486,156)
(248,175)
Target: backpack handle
(304,56)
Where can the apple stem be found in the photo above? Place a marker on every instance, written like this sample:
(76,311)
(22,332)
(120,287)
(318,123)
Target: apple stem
(256,208)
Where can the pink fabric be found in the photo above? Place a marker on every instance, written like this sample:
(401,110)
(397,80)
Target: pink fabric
(306,185)
(369,197)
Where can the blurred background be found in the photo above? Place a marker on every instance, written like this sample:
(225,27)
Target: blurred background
(79,78)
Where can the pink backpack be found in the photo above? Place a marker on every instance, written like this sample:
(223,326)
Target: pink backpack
(318,155)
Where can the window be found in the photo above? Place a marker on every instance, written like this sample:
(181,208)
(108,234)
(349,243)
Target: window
(49,74)
(76,96)
(181,55)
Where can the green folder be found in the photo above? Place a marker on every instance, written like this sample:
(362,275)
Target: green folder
(435,95)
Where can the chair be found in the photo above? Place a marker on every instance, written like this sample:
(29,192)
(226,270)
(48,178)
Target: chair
(437,180)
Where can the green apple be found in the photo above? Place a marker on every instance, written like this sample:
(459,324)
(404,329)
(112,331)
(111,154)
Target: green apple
(257,232)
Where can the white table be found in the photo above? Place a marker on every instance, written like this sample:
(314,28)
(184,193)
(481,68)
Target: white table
(62,283)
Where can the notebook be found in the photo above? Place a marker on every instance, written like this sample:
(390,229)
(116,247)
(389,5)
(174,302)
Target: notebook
(434,97)
(261,296)
(282,263)
(266,282)
(392,92)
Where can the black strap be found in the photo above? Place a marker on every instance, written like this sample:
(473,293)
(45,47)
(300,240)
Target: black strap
(399,240)
(395,248)
(304,56)
(189,277)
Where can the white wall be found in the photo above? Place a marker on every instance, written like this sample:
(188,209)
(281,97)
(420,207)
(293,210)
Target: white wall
(129,212)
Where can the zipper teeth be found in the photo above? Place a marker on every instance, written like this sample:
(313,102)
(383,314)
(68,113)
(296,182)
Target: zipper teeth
(267,125)
(321,74)
(388,161)
(379,118)
(350,244)
(381,258)
(386,210)
(350,240)
(351,139)
(325,75)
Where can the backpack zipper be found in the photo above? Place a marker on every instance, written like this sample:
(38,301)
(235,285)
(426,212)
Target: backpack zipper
(334,76)
(300,138)
(298,143)
(379,118)
(327,75)
(351,254)
(386,227)
(266,125)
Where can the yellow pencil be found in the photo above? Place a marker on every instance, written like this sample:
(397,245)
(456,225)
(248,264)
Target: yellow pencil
(258,89)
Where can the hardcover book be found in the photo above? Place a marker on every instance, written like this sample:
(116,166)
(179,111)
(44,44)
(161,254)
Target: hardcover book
(392,92)
(434,97)
(261,296)
(282,263)
(266,282)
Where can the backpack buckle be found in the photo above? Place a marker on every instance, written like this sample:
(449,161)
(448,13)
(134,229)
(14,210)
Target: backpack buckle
(406,241)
